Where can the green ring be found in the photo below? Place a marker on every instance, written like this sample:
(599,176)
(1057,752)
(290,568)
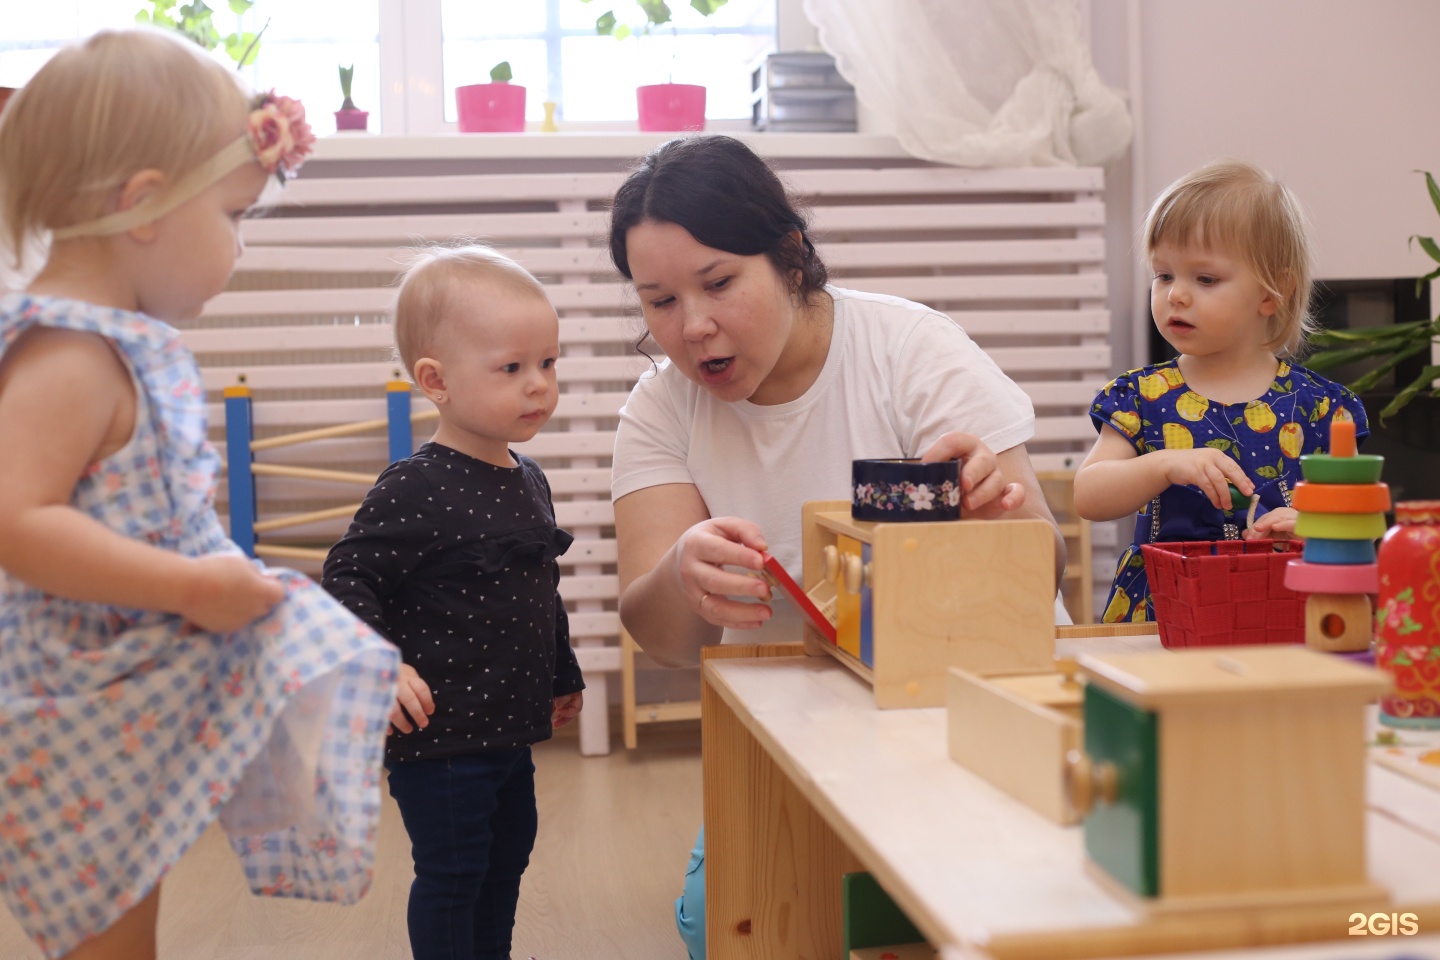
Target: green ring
(1340,526)
(1323,468)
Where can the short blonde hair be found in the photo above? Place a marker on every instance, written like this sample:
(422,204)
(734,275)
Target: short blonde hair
(432,289)
(1239,208)
(101,111)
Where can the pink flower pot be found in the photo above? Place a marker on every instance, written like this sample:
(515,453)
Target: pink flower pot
(352,119)
(671,106)
(491,108)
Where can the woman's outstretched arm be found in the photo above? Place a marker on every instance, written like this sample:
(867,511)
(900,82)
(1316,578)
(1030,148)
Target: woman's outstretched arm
(674,588)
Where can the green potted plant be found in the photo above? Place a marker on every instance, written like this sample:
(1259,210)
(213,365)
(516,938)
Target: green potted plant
(1396,344)
(1398,389)
(665,106)
(494,107)
(349,116)
(195,20)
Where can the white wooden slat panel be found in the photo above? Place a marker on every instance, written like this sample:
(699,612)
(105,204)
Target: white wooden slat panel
(586,550)
(374,301)
(482,188)
(1059,393)
(1049,429)
(1039,323)
(319,336)
(377,334)
(859,181)
(400,229)
(265,258)
(563,482)
(861,255)
(955,216)
(1056,461)
(601,587)
(290,413)
(314,375)
(605,623)
(1032,359)
(1070,286)
(584,513)
(375,450)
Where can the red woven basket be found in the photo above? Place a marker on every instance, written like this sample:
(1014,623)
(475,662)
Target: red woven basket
(1224,592)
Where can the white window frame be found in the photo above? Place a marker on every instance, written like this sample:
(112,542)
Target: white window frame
(412,81)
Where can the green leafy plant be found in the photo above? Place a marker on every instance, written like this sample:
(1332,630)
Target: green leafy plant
(1396,343)
(195,20)
(500,73)
(657,12)
(347,74)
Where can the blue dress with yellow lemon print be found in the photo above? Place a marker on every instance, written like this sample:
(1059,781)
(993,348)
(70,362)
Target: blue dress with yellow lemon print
(1155,409)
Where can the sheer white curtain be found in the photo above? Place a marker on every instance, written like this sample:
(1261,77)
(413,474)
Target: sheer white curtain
(978,83)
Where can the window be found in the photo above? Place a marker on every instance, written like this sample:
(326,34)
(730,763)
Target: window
(410,55)
(555,53)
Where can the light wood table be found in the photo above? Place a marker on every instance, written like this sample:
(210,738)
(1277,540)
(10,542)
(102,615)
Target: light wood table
(805,780)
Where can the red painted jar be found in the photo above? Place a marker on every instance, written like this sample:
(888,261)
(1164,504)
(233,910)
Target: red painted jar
(1407,616)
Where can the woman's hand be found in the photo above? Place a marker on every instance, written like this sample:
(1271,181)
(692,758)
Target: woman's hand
(982,481)
(1278,524)
(701,555)
(1208,469)
(229,592)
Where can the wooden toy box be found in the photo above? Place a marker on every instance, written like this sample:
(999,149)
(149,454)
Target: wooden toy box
(912,600)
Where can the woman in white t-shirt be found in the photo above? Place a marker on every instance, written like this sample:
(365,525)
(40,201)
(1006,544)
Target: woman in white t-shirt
(775,381)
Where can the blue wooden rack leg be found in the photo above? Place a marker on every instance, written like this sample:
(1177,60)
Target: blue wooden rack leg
(239,432)
(397,410)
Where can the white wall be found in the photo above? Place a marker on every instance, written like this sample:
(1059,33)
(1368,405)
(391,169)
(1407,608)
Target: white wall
(1335,97)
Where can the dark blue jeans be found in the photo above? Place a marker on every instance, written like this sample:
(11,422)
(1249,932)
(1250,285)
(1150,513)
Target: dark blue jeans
(472,825)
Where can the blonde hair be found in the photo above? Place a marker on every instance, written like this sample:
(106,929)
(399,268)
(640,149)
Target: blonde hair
(432,290)
(101,111)
(1239,208)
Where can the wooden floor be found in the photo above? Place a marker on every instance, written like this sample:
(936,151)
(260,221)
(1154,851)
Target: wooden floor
(615,833)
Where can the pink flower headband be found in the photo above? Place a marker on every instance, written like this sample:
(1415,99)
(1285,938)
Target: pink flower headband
(276,136)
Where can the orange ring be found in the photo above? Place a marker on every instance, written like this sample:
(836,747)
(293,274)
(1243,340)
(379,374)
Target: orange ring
(1341,497)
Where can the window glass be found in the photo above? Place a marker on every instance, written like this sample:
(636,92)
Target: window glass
(300,54)
(556,55)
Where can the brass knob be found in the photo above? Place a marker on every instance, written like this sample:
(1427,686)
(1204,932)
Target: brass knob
(1088,783)
(832,563)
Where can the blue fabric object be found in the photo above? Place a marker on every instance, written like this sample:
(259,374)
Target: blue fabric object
(472,825)
(1154,409)
(690,905)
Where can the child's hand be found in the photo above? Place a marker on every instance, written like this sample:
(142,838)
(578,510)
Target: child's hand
(981,479)
(1208,469)
(566,708)
(1278,524)
(412,702)
(229,592)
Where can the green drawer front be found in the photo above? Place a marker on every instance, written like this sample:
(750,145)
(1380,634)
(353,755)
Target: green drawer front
(1123,837)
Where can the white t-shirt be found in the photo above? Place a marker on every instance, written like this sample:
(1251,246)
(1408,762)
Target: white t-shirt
(898,376)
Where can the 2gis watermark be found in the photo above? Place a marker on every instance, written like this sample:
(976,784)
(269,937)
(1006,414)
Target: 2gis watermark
(1384,924)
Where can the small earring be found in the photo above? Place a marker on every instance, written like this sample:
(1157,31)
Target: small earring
(439,397)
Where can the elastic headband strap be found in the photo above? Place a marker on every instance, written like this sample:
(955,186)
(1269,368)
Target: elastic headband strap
(156,206)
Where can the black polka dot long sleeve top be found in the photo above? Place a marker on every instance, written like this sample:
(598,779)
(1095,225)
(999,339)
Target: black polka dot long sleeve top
(454,560)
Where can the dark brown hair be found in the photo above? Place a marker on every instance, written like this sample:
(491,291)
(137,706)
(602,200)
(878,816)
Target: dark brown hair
(727,198)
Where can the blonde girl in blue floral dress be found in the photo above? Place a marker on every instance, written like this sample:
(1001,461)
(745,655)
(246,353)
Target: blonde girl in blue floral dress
(1230,259)
(152,678)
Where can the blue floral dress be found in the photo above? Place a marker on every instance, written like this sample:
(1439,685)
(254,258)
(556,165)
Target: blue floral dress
(1154,409)
(124,732)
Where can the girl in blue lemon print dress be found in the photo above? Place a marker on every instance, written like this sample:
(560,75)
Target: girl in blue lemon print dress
(152,677)
(1230,292)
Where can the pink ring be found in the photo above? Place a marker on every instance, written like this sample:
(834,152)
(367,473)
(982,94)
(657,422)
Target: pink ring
(1305,577)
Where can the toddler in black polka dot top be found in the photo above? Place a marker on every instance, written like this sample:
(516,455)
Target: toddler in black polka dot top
(452,556)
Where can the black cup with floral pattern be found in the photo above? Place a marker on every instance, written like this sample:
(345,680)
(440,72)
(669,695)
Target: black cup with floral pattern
(899,491)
